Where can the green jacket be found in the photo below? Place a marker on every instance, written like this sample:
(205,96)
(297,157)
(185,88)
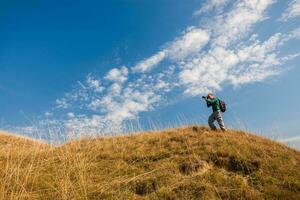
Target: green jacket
(214,103)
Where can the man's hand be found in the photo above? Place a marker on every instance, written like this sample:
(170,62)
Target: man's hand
(204,97)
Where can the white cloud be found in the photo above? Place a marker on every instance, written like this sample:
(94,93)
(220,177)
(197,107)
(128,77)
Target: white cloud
(115,89)
(117,75)
(230,59)
(120,101)
(87,126)
(206,72)
(71,115)
(149,63)
(192,41)
(234,25)
(114,109)
(62,103)
(210,5)
(92,82)
(292,11)
(244,64)
(133,102)
(293,35)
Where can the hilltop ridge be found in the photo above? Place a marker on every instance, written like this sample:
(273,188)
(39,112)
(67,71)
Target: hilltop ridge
(183,163)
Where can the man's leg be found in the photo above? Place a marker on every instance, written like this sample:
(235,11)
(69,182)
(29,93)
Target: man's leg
(211,121)
(220,121)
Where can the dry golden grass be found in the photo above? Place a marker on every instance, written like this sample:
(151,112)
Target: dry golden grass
(184,163)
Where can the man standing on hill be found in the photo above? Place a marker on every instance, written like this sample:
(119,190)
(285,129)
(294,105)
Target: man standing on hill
(215,103)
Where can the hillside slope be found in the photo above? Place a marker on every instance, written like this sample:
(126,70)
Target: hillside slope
(184,163)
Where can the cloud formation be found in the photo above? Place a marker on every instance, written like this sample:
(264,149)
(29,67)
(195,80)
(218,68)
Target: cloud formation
(225,50)
(292,11)
(210,5)
(147,64)
(191,42)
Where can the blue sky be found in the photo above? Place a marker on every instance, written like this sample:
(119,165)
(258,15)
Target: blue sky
(97,67)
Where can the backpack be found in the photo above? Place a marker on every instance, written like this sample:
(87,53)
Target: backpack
(222,105)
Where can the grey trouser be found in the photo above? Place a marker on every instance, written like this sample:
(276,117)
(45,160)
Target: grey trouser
(216,116)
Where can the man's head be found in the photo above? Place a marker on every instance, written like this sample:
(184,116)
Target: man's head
(210,96)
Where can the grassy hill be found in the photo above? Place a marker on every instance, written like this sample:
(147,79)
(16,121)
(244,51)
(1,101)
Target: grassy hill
(184,163)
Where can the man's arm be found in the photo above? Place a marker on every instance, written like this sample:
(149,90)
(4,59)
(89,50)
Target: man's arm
(208,103)
(212,100)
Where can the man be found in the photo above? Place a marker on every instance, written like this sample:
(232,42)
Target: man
(214,102)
